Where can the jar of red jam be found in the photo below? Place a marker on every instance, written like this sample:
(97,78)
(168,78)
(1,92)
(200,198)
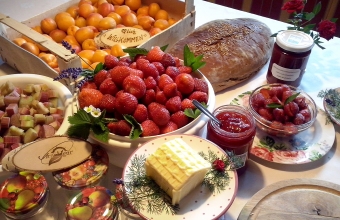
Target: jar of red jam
(26,195)
(289,57)
(234,134)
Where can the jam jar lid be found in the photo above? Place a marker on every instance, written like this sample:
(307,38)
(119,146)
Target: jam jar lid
(294,41)
(86,173)
(92,203)
(22,193)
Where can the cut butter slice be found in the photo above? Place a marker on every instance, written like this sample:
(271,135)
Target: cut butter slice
(176,168)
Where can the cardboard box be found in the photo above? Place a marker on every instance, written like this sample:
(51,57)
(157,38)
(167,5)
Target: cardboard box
(25,62)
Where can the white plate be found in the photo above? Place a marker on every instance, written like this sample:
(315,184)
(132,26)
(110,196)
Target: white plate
(307,146)
(200,203)
(330,109)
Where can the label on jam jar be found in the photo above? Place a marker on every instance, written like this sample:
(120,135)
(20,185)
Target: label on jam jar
(285,73)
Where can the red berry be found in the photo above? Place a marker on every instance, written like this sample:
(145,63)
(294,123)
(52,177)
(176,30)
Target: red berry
(199,96)
(168,60)
(185,83)
(306,113)
(110,61)
(119,73)
(291,109)
(135,86)
(170,127)
(89,85)
(108,103)
(160,67)
(122,63)
(150,96)
(126,60)
(160,97)
(180,119)
(279,114)
(108,87)
(133,65)
(286,95)
(172,71)
(120,127)
(301,101)
(266,114)
(126,103)
(158,113)
(257,100)
(173,104)
(150,128)
(150,82)
(187,103)
(141,113)
(299,119)
(89,97)
(185,69)
(149,69)
(170,90)
(155,54)
(201,85)
(164,80)
(100,77)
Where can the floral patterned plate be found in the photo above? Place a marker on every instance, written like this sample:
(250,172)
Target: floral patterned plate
(307,146)
(330,108)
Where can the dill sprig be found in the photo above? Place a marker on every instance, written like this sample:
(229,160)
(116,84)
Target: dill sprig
(332,98)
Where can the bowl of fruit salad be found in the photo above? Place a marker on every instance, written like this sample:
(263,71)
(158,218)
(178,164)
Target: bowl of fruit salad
(282,110)
(145,96)
(31,107)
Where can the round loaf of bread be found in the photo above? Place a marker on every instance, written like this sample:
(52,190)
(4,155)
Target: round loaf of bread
(233,49)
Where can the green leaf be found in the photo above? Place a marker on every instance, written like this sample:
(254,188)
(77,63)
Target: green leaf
(79,130)
(190,60)
(80,117)
(334,20)
(189,112)
(100,131)
(274,105)
(136,130)
(308,28)
(317,8)
(98,68)
(309,16)
(135,51)
(163,48)
(291,98)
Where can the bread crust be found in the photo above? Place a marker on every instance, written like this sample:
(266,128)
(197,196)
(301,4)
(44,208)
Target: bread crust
(233,49)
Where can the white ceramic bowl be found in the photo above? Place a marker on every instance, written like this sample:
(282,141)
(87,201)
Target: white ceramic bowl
(120,148)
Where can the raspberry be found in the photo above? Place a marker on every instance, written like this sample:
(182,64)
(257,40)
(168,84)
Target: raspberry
(173,104)
(187,103)
(119,73)
(168,60)
(170,90)
(201,85)
(158,113)
(159,67)
(89,85)
(199,96)
(100,77)
(160,97)
(110,61)
(108,103)
(185,69)
(155,54)
(150,82)
(170,127)
(180,119)
(89,97)
(164,80)
(108,87)
(149,128)
(141,113)
(126,103)
(120,127)
(150,96)
(135,86)
(172,71)
(185,83)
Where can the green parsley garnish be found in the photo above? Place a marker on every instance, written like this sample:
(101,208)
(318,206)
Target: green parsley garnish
(332,99)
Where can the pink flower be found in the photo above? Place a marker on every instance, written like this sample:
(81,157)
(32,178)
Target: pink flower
(293,5)
(289,156)
(326,29)
(262,152)
(218,165)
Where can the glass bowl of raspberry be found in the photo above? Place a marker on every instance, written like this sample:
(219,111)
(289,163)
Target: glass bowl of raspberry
(282,110)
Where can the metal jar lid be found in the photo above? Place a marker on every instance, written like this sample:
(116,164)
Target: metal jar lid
(294,41)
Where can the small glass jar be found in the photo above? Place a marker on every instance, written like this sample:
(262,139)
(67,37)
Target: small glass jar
(88,173)
(92,203)
(26,196)
(235,134)
(289,57)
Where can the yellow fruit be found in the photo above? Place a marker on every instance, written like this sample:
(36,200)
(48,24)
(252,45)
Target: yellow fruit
(93,19)
(47,25)
(153,9)
(86,54)
(99,56)
(58,35)
(38,29)
(73,11)
(84,33)
(115,16)
(89,44)
(80,22)
(146,22)
(162,14)
(85,10)
(129,19)
(133,4)
(117,50)
(106,23)
(144,10)
(161,24)
(31,47)
(19,41)
(65,22)
(122,10)
(153,31)
(72,30)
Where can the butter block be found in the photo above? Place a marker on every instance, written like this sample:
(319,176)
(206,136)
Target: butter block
(176,168)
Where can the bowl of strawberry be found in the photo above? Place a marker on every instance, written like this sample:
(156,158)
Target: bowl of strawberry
(131,100)
(282,110)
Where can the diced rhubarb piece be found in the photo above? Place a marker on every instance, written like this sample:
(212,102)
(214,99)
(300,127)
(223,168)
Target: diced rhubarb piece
(60,120)
(11,139)
(2,101)
(47,104)
(11,109)
(55,124)
(30,135)
(44,87)
(46,131)
(28,89)
(11,99)
(16,131)
(5,122)
(37,128)
(44,96)
(34,103)
(25,101)
(40,119)
(41,109)
(54,102)
(52,93)
(7,88)
(60,110)
(24,110)
(56,116)
(27,124)
(37,88)
(2,145)
(49,119)
(16,145)
(15,120)
(33,111)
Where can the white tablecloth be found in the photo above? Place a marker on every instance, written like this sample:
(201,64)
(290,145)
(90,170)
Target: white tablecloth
(323,71)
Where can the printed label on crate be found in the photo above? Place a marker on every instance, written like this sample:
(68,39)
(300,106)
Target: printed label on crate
(125,36)
(51,154)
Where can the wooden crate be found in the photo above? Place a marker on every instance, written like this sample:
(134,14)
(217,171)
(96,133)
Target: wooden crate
(25,62)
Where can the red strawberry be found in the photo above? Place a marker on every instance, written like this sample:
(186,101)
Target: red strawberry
(89,97)
(150,82)
(150,96)
(158,113)
(110,61)
(170,127)
(185,83)
(180,119)
(122,63)
(172,71)
(170,90)
(199,96)
(155,54)
(160,97)
(108,87)
(120,127)
(185,69)
(159,67)
(138,73)
(141,113)
(164,80)
(168,60)
(149,128)
(119,73)
(108,103)
(89,85)
(126,60)
(133,65)
(141,62)
(149,69)
(100,77)
(173,104)
(187,103)
(178,61)
(135,86)
(140,56)
(126,103)
(201,85)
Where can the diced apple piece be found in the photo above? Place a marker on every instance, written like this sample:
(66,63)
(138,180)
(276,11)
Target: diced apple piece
(11,109)
(37,88)
(5,122)
(52,93)
(28,89)
(1,140)
(30,135)
(15,120)
(33,111)
(49,119)
(41,109)
(2,101)
(25,101)
(24,110)
(40,119)
(36,96)
(46,131)
(26,118)
(37,128)
(7,88)
(16,131)
(27,124)
(54,102)
(44,87)
(53,110)
(34,103)
(55,124)
(2,113)
(11,139)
